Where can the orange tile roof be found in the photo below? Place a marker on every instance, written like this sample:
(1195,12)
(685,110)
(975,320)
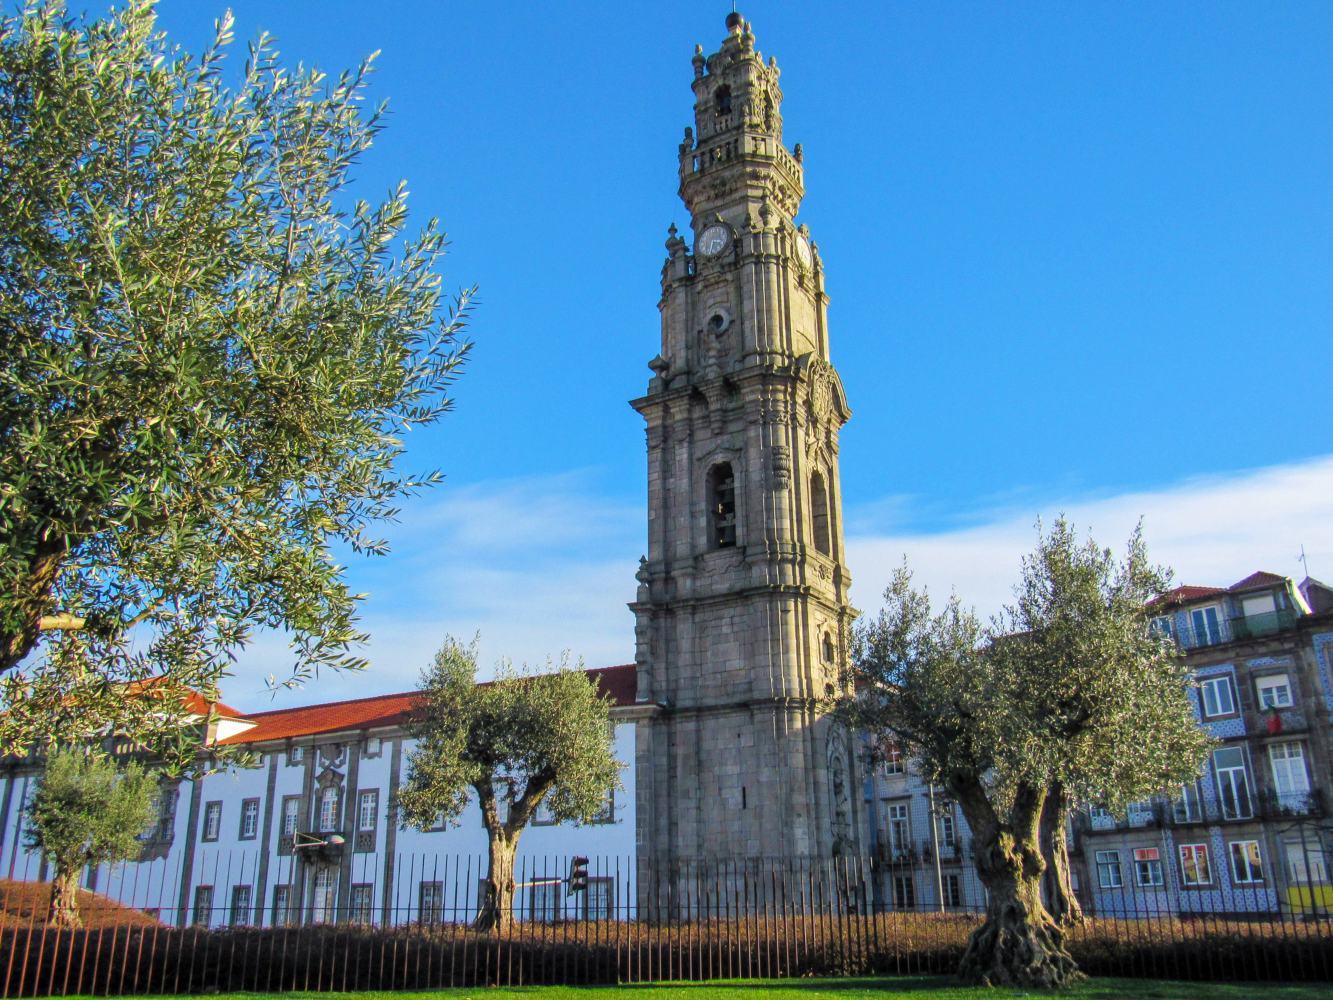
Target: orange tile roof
(194,702)
(1184,595)
(1187,594)
(388,710)
(1260,579)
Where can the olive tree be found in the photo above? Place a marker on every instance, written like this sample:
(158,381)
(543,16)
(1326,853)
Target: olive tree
(211,354)
(513,743)
(1066,696)
(86,810)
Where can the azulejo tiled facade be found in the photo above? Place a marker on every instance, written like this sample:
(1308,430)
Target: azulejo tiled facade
(1251,835)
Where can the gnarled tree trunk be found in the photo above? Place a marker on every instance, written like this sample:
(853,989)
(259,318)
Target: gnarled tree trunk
(496,911)
(64,909)
(1061,902)
(1019,944)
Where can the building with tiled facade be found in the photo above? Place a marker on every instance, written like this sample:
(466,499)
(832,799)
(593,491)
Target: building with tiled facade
(1251,835)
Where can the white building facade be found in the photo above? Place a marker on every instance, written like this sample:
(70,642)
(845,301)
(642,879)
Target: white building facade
(259,844)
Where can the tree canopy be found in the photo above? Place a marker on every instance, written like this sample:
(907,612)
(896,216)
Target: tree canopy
(1066,696)
(87,810)
(211,356)
(514,743)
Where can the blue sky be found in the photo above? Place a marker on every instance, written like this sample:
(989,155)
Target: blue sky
(1080,257)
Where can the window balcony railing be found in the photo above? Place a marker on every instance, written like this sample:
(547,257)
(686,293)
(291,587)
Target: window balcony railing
(1277,805)
(950,850)
(1233,629)
(1269,623)
(895,854)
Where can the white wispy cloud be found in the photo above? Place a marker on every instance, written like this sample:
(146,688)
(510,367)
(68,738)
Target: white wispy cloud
(535,566)
(1211,530)
(544,564)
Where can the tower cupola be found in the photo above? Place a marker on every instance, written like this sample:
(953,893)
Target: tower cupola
(734,153)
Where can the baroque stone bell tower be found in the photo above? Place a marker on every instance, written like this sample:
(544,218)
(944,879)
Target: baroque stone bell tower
(742,601)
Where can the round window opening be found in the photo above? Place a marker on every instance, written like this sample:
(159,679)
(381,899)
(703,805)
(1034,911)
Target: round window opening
(719,321)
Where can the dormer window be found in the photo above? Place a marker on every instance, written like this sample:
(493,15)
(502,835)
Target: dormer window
(723,101)
(722,506)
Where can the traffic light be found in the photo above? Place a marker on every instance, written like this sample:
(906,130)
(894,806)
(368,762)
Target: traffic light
(578,875)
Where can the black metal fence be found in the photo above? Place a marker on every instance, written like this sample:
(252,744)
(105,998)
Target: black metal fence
(406,925)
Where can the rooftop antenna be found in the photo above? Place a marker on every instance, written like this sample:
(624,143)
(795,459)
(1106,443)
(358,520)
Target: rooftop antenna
(1301,558)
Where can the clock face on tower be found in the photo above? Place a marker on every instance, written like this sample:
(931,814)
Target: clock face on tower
(712,241)
(803,253)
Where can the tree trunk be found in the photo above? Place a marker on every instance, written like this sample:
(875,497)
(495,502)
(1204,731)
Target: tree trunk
(1061,902)
(31,598)
(496,911)
(1019,944)
(64,910)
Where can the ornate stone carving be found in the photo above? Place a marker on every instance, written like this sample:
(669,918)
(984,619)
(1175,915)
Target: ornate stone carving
(839,793)
(781,467)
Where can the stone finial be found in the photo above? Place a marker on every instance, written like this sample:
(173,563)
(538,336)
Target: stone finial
(734,20)
(659,366)
(698,61)
(798,154)
(674,244)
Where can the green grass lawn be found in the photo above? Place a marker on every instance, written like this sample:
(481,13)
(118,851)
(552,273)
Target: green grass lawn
(925,988)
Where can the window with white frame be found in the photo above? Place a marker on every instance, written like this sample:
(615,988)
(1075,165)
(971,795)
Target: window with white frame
(1233,783)
(324,898)
(900,831)
(1109,875)
(249,819)
(1206,625)
(1246,862)
(1291,781)
(212,820)
(291,814)
(1194,866)
(1218,696)
(360,906)
(1306,864)
(431,899)
(1148,866)
(1188,808)
(1274,691)
(904,892)
(282,903)
(240,905)
(374,746)
(547,903)
(163,825)
(328,810)
(203,905)
(893,759)
(295,756)
(367,809)
(599,899)
(948,829)
(952,885)
(1165,626)
(1259,604)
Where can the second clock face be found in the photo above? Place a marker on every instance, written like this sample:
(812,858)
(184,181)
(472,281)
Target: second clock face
(803,253)
(712,241)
